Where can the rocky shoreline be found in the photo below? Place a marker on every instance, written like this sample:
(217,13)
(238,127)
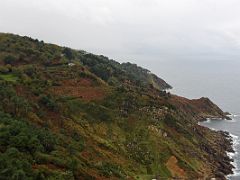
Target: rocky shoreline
(211,117)
(220,147)
(214,144)
(226,143)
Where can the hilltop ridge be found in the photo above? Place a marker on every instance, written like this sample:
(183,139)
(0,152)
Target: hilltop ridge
(37,52)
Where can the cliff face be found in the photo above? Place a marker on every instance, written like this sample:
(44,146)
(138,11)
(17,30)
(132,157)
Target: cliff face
(68,114)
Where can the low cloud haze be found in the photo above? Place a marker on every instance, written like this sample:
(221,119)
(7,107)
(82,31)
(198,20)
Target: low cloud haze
(131,30)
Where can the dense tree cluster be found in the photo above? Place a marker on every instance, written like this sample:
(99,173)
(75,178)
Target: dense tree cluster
(19,144)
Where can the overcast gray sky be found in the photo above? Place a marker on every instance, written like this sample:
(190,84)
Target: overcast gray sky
(131,30)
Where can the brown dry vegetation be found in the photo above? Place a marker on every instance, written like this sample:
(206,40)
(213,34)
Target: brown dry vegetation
(175,170)
(79,88)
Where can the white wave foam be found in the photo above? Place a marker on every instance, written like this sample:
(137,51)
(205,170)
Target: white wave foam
(236,142)
(233,115)
(207,121)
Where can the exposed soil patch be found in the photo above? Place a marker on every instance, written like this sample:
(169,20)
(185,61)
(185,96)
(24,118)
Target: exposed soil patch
(173,167)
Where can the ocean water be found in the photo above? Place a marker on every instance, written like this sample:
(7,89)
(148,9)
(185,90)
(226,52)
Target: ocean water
(218,79)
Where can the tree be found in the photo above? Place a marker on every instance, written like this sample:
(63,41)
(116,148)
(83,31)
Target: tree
(35,145)
(6,93)
(102,70)
(47,140)
(12,166)
(21,106)
(49,102)
(9,59)
(68,53)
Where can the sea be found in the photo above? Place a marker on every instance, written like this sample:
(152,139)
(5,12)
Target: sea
(215,78)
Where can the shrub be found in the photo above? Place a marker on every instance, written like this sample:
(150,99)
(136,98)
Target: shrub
(30,70)
(47,140)
(49,102)
(170,120)
(68,53)
(109,170)
(9,59)
(13,166)
(93,111)
(24,137)
(4,70)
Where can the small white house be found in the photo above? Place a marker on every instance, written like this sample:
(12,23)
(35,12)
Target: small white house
(71,64)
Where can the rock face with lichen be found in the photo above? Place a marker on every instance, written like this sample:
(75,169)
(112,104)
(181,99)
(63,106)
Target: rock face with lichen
(69,114)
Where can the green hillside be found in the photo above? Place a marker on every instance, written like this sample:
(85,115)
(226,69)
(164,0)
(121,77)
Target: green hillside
(70,114)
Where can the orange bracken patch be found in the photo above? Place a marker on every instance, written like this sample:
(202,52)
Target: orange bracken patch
(175,170)
(80,88)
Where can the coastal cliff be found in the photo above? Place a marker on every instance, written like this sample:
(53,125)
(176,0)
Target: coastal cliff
(70,114)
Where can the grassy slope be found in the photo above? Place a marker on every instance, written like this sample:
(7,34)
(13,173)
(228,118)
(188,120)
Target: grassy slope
(97,119)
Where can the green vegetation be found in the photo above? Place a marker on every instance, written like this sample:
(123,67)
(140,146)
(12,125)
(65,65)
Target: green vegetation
(92,119)
(8,77)
(9,59)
